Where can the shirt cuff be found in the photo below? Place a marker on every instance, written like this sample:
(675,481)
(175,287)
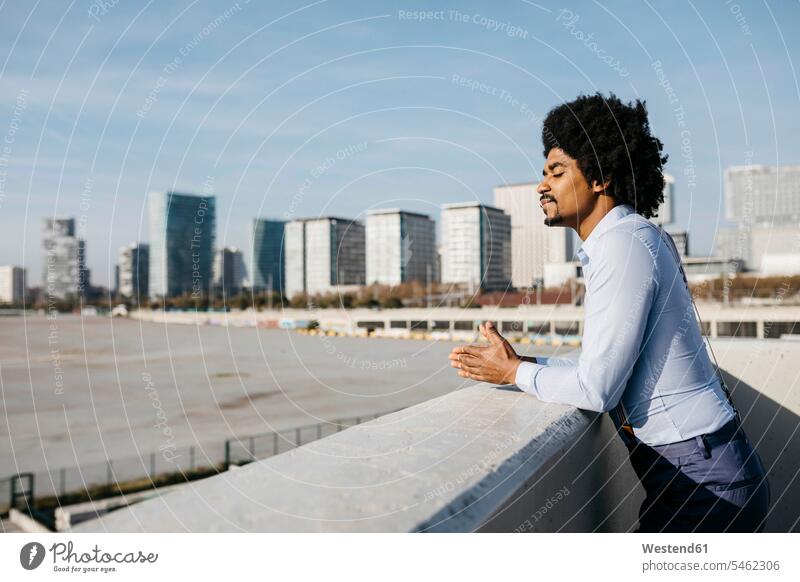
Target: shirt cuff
(526,376)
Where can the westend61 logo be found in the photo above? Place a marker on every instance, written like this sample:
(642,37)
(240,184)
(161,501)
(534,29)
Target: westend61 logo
(65,559)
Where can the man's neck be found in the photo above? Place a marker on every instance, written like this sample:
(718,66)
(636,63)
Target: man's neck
(604,205)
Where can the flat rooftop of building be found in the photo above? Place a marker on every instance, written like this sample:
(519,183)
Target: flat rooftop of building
(377,211)
(470,204)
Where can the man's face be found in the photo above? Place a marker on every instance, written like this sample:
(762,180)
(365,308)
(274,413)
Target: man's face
(564,195)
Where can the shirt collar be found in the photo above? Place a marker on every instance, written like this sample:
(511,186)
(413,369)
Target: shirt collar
(606,223)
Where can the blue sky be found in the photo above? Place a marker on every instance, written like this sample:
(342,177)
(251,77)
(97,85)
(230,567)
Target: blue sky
(332,107)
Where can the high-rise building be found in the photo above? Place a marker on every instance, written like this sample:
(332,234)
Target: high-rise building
(134,271)
(476,246)
(771,250)
(764,202)
(322,254)
(335,254)
(182,232)
(774,246)
(763,195)
(681,240)
(732,243)
(12,284)
(64,275)
(666,208)
(268,252)
(533,243)
(401,247)
(230,273)
(294,256)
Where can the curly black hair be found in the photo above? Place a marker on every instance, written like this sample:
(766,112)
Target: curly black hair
(611,140)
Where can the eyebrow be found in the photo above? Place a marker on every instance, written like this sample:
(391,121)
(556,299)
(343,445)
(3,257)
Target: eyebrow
(553,166)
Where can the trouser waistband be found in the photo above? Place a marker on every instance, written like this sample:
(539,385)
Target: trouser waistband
(729,431)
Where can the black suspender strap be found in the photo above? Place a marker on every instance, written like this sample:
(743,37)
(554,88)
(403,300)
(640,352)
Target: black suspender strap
(717,371)
(622,417)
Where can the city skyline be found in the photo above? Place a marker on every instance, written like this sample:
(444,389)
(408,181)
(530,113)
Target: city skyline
(338,110)
(388,235)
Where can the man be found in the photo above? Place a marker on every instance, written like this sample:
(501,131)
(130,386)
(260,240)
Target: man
(643,359)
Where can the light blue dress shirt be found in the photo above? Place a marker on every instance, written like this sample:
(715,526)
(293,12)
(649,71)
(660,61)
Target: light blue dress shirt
(641,341)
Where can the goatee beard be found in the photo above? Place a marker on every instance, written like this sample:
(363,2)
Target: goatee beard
(557,219)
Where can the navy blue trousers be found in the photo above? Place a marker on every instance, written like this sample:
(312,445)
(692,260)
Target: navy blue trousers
(711,483)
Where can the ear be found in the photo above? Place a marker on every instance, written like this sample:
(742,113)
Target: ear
(601,188)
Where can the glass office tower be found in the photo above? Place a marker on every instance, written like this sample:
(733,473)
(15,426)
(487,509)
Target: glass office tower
(268,253)
(182,230)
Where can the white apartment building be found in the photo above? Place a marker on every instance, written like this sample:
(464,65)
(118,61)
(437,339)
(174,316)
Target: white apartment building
(323,254)
(13,282)
(401,247)
(476,246)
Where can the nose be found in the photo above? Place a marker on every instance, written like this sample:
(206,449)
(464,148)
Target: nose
(542,187)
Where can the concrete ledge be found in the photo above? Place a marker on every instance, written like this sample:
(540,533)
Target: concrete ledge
(447,464)
(483,458)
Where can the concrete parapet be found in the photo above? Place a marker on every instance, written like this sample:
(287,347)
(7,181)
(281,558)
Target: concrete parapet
(483,458)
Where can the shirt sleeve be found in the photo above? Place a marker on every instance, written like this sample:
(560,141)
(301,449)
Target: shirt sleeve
(570,360)
(620,293)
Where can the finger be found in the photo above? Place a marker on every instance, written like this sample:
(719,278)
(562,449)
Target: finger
(492,334)
(458,358)
(463,360)
(461,350)
(471,368)
(472,361)
(478,351)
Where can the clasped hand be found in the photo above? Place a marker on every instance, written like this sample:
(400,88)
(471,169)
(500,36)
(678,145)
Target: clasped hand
(495,363)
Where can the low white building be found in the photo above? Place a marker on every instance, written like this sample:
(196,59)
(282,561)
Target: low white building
(700,269)
(557,274)
(780,264)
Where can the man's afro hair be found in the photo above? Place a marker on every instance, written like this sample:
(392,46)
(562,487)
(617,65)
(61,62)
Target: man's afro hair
(611,140)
